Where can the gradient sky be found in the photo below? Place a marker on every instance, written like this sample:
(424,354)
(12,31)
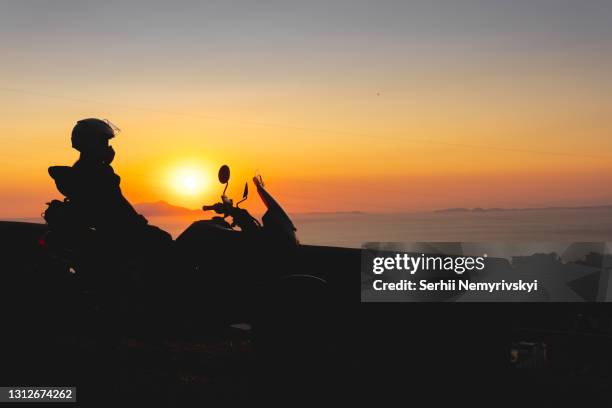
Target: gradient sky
(341,105)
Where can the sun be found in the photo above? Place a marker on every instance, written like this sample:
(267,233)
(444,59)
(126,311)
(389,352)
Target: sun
(190,184)
(189,180)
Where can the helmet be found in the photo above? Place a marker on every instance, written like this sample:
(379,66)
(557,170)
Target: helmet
(91,134)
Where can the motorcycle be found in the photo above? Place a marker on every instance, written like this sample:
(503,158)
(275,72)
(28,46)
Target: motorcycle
(245,233)
(266,249)
(265,256)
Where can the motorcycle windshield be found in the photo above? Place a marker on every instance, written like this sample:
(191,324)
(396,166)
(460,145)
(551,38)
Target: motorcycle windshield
(271,204)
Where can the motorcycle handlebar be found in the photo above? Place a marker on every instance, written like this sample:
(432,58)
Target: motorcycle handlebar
(242,218)
(219,208)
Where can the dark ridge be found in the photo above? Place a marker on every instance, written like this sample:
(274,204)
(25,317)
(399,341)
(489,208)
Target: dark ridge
(478,209)
(162,208)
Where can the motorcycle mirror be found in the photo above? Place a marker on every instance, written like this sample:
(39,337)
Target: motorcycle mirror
(245,194)
(224,174)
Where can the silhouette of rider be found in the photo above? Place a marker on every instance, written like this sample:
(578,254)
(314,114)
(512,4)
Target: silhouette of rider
(92,189)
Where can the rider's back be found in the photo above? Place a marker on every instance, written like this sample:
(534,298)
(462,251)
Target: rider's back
(93,191)
(98,194)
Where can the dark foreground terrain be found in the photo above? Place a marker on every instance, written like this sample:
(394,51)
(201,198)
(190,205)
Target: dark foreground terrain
(415,354)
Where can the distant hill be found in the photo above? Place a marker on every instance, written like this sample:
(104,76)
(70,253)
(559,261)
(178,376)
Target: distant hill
(164,209)
(331,213)
(478,209)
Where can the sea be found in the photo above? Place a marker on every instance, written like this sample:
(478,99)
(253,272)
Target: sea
(353,229)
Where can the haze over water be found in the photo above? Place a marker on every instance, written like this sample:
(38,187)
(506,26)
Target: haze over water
(353,229)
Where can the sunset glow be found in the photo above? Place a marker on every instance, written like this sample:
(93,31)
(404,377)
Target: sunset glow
(427,108)
(187,183)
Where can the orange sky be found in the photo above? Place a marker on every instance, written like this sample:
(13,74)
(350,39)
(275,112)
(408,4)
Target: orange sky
(344,118)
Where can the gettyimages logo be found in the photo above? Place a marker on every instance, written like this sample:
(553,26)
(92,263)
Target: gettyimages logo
(413,264)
